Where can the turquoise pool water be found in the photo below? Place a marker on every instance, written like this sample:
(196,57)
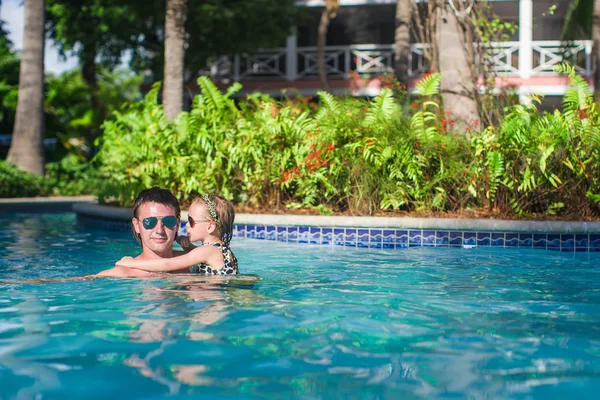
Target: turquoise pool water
(323,323)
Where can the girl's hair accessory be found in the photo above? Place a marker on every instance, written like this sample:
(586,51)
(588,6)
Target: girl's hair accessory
(212,210)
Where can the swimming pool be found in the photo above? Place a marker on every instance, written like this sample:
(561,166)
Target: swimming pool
(324,322)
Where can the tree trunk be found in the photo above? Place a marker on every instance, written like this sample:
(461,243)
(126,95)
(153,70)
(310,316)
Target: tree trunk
(174,57)
(458,83)
(402,40)
(26,150)
(329,13)
(596,38)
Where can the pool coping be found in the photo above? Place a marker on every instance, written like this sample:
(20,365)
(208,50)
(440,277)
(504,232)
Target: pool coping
(43,204)
(492,225)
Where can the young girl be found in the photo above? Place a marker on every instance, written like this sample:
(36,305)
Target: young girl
(210,221)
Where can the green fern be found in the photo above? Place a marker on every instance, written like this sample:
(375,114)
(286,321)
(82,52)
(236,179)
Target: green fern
(429,85)
(381,109)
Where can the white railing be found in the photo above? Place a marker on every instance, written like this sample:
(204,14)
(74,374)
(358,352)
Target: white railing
(546,54)
(366,59)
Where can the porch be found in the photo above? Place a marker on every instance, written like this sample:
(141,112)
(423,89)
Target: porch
(355,69)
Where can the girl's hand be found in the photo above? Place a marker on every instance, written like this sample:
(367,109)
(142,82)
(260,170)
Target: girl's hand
(124,261)
(184,241)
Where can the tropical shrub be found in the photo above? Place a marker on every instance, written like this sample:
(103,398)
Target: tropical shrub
(357,156)
(17,183)
(542,163)
(73,176)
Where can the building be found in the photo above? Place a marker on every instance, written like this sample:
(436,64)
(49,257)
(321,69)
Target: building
(361,43)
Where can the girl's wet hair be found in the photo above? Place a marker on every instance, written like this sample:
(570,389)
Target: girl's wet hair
(220,211)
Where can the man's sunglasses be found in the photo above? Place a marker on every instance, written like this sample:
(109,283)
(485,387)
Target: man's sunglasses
(168,222)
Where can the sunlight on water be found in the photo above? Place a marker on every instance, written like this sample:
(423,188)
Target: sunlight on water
(303,321)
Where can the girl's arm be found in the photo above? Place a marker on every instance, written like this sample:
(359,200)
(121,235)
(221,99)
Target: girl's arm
(196,256)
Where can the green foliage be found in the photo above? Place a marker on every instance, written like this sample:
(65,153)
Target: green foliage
(73,176)
(99,30)
(17,183)
(542,163)
(9,81)
(68,106)
(579,20)
(358,156)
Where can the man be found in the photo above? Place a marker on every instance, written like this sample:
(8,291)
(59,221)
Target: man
(155,223)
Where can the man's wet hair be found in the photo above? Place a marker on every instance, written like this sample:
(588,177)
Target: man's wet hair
(154,195)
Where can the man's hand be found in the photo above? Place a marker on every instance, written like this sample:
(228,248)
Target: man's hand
(184,241)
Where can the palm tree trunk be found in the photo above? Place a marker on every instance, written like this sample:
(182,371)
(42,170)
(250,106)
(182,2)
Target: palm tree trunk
(26,150)
(402,40)
(329,13)
(458,83)
(596,38)
(174,57)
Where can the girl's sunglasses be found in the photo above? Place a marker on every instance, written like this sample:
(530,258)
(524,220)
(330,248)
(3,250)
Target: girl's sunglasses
(194,222)
(169,222)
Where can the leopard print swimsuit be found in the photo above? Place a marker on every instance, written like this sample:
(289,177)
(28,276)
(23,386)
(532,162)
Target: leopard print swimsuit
(230,265)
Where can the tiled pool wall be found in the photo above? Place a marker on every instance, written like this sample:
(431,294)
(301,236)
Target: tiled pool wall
(387,238)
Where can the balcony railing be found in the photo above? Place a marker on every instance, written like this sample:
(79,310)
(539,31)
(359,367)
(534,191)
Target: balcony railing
(372,59)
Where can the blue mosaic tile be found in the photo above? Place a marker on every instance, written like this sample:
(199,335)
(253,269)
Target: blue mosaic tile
(594,242)
(240,230)
(260,232)
(282,233)
(553,242)
(292,232)
(271,233)
(339,237)
(401,239)
(314,235)
(182,229)
(362,238)
(250,231)
(350,237)
(414,238)
(511,240)
(469,239)
(326,236)
(525,240)
(303,234)
(388,245)
(539,241)
(497,239)
(484,239)
(442,238)
(376,238)
(456,238)
(428,238)
(582,242)
(389,236)
(567,242)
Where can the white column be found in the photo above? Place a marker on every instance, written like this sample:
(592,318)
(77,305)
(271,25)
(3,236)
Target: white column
(525,41)
(291,57)
(525,95)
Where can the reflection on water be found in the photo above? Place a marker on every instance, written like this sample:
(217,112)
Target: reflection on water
(306,322)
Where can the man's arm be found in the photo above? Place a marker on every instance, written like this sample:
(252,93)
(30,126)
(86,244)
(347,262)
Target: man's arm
(196,256)
(120,271)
